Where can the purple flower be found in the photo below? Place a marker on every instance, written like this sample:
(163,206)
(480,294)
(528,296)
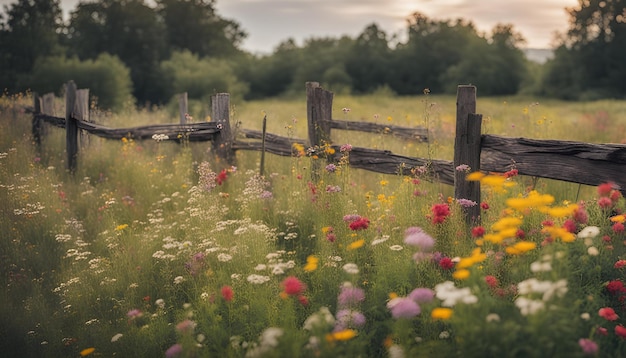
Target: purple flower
(588,346)
(403,307)
(422,295)
(350,296)
(347,318)
(134,313)
(351,217)
(415,236)
(266,195)
(333,188)
(174,351)
(345,148)
(466,203)
(331,168)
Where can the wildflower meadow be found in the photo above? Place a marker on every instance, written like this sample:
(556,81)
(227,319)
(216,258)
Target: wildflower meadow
(158,249)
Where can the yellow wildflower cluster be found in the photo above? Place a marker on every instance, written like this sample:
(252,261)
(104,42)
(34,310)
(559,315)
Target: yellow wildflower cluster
(498,183)
(356,244)
(311,263)
(298,150)
(465,263)
(532,200)
(343,335)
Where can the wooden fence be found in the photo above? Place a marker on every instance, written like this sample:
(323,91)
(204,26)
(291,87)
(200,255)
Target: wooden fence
(576,162)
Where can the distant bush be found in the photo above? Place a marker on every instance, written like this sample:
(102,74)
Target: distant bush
(107,78)
(201,78)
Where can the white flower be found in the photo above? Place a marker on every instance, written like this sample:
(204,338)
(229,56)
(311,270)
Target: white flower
(178,280)
(528,306)
(160,303)
(320,319)
(260,267)
(224,257)
(396,247)
(589,232)
(351,268)
(540,266)
(451,295)
(116,337)
(593,251)
(585,316)
(396,351)
(493,317)
(257,279)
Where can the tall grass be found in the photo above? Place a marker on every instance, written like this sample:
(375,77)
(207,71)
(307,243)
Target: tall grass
(155,249)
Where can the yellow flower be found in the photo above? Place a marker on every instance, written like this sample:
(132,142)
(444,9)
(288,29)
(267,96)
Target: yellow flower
(393,295)
(311,263)
(327,229)
(441,313)
(618,218)
(475,176)
(383,182)
(344,335)
(520,247)
(559,233)
(356,244)
(461,274)
(562,211)
(506,222)
(87,351)
(121,227)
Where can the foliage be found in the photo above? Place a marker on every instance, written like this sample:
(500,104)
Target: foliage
(107,78)
(588,63)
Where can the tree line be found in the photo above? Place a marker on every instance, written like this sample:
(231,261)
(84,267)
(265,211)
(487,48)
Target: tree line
(130,52)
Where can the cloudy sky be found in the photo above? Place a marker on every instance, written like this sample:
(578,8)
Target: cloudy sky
(269,22)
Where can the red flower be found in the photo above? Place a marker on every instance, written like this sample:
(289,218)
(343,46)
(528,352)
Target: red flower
(520,234)
(492,281)
(221,177)
(605,189)
(511,173)
(293,286)
(620,331)
(478,231)
(619,264)
(605,202)
(618,228)
(446,263)
(616,286)
(303,300)
(602,331)
(547,223)
(484,206)
(569,225)
(608,313)
(227,293)
(440,213)
(360,224)
(615,196)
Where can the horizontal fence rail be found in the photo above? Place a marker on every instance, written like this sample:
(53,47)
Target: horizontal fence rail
(576,162)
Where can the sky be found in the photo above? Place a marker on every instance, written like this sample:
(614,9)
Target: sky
(270,22)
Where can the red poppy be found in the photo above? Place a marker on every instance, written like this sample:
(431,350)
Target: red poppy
(478,231)
(227,293)
(293,286)
(608,313)
(620,331)
(221,177)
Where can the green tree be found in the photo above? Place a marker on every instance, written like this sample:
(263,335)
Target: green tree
(30,30)
(590,58)
(128,29)
(195,26)
(368,60)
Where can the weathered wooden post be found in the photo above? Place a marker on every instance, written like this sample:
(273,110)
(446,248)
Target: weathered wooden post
(183,109)
(71,127)
(37,123)
(81,112)
(319,109)
(220,113)
(467,150)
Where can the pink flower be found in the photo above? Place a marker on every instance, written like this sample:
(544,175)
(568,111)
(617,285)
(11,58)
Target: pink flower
(350,296)
(293,286)
(403,307)
(359,224)
(491,281)
(620,331)
(588,346)
(227,293)
(618,228)
(608,313)
(478,231)
(134,313)
(440,213)
(616,286)
(415,236)
(422,295)
(186,326)
(605,202)
(174,351)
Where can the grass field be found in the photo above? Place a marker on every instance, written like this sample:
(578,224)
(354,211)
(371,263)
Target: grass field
(157,249)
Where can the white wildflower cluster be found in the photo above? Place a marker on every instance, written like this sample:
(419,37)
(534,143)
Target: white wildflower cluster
(380,240)
(257,279)
(322,319)
(207,180)
(160,137)
(267,342)
(529,289)
(29,209)
(333,261)
(351,268)
(276,263)
(255,188)
(450,295)
(588,234)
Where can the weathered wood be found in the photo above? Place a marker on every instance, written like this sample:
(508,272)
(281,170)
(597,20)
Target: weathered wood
(467,149)
(48,104)
(319,108)
(263,139)
(71,127)
(383,161)
(81,113)
(192,131)
(271,138)
(419,134)
(576,162)
(183,109)
(37,124)
(223,141)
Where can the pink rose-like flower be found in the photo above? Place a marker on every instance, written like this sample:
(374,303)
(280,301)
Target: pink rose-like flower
(619,264)
(415,236)
(620,331)
(588,346)
(293,286)
(422,295)
(608,313)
